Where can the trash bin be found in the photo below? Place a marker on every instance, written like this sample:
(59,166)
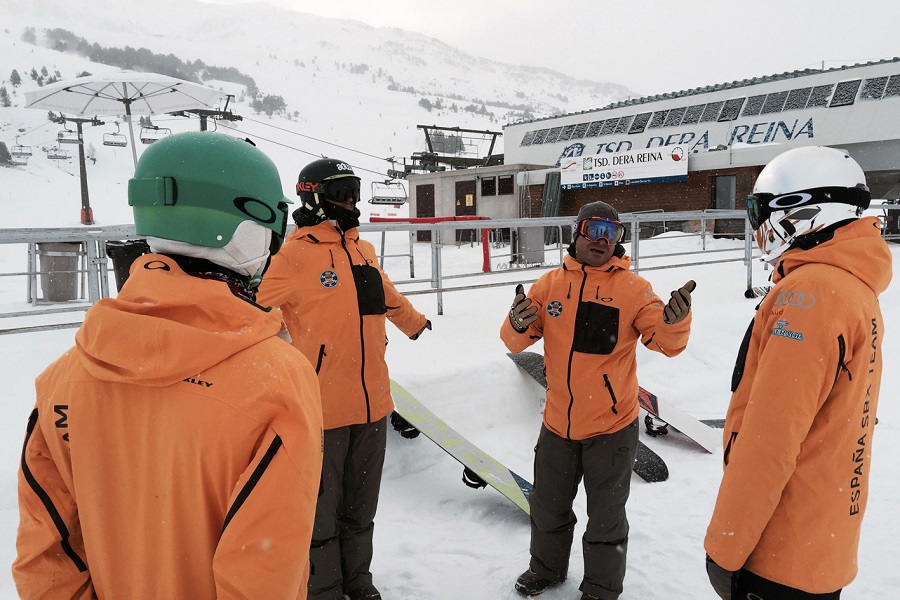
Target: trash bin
(59,270)
(122,255)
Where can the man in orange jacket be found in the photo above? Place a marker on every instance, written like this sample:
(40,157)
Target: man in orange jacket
(798,432)
(591,313)
(336,302)
(175,451)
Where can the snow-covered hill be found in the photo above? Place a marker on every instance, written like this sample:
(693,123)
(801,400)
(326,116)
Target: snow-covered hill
(351,90)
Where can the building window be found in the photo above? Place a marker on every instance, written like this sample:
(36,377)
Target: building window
(505,185)
(673,119)
(529,137)
(820,95)
(774,103)
(623,125)
(797,99)
(731,110)
(754,106)
(711,111)
(594,129)
(640,123)
(893,87)
(580,130)
(873,89)
(693,114)
(845,93)
(724,190)
(488,186)
(659,118)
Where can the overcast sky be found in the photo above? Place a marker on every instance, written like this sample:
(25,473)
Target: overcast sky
(651,46)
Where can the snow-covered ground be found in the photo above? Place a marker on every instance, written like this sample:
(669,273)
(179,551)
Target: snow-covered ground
(437,539)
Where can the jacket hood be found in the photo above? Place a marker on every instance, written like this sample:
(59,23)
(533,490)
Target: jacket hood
(166,325)
(857,248)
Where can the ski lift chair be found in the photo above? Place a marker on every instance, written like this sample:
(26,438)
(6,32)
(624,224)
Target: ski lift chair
(18,159)
(20,151)
(67,136)
(154,134)
(388,192)
(57,153)
(116,139)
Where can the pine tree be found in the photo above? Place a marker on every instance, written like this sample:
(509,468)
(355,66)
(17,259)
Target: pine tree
(4,97)
(14,78)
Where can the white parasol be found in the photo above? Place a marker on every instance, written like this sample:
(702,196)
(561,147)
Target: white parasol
(138,93)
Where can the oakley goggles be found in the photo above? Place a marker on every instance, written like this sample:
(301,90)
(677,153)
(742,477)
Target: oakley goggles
(761,206)
(341,189)
(595,229)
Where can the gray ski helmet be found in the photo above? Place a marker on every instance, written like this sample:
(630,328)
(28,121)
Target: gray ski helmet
(318,181)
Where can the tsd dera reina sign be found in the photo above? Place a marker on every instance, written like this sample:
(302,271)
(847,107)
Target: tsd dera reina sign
(659,165)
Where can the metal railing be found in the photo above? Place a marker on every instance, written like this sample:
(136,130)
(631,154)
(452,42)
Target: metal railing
(93,267)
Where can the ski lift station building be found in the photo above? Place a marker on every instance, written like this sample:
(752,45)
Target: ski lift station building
(695,149)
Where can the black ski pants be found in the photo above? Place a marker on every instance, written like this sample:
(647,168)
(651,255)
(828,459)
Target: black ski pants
(341,549)
(604,462)
(750,586)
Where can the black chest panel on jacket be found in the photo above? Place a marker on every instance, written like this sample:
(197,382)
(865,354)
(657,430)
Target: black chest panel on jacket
(369,290)
(596,328)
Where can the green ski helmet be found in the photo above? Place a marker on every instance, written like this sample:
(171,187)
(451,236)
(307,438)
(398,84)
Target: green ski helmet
(197,187)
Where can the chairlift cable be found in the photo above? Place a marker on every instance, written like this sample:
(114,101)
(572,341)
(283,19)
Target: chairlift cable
(256,136)
(318,140)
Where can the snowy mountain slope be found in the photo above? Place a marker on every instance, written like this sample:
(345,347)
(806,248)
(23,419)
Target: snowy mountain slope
(341,81)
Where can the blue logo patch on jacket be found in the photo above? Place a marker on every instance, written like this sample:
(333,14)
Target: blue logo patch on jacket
(329,279)
(782,331)
(554,309)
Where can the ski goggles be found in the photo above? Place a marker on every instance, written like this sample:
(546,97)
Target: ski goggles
(595,229)
(342,189)
(761,206)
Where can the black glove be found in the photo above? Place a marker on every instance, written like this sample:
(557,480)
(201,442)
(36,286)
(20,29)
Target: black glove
(680,304)
(522,314)
(416,335)
(722,581)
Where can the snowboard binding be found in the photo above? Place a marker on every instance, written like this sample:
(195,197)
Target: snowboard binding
(471,479)
(655,426)
(403,427)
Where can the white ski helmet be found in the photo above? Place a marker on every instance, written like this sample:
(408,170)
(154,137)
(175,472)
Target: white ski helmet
(802,191)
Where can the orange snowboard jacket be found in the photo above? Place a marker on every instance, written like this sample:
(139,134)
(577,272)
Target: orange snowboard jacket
(335,301)
(175,452)
(591,319)
(798,432)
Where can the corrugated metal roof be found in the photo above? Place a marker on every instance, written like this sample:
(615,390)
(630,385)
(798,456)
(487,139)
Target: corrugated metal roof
(711,88)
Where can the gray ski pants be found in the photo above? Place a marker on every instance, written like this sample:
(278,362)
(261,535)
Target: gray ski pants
(341,549)
(605,463)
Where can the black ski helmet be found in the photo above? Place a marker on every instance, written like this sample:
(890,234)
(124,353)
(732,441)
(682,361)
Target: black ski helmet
(326,178)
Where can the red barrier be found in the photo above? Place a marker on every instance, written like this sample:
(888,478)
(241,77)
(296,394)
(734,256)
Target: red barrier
(485,247)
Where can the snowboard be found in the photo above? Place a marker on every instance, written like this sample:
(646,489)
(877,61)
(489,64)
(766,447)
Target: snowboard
(648,465)
(704,434)
(485,468)
(758,291)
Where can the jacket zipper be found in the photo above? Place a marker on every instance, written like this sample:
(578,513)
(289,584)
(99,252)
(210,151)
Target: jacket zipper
(842,354)
(612,393)
(253,480)
(321,358)
(362,342)
(569,366)
(47,502)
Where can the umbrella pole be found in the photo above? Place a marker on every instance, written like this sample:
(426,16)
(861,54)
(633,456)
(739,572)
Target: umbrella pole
(131,132)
